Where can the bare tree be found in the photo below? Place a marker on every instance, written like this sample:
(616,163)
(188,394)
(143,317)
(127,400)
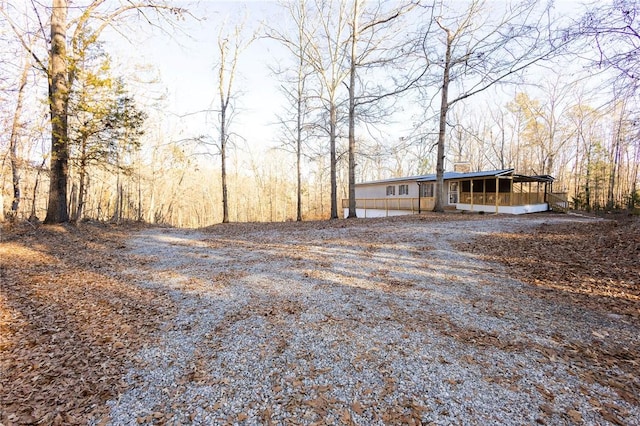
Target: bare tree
(614,27)
(325,54)
(15,137)
(230,45)
(373,44)
(298,96)
(478,49)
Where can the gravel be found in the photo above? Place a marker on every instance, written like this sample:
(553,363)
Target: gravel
(360,322)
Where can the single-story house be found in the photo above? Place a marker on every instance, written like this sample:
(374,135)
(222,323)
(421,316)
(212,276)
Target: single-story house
(493,191)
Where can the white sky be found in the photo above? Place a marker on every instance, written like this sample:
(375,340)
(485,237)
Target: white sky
(186,65)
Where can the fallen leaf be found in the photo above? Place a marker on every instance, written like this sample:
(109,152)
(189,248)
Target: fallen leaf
(575,416)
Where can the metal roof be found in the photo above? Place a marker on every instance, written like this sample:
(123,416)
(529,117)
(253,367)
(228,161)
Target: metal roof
(447,176)
(470,175)
(460,175)
(535,178)
(392,180)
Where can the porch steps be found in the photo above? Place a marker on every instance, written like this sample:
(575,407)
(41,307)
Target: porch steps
(558,203)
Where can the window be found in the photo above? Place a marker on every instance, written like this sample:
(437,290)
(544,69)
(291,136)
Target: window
(391,190)
(426,189)
(403,190)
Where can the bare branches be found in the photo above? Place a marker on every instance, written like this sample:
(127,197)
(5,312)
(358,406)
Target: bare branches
(615,30)
(480,48)
(230,45)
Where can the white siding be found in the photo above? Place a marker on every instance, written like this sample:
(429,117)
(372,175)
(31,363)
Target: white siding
(379,190)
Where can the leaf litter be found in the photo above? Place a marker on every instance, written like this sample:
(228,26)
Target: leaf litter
(432,319)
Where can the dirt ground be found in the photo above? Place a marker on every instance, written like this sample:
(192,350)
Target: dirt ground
(71,323)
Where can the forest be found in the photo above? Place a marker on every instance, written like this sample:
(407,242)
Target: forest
(290,104)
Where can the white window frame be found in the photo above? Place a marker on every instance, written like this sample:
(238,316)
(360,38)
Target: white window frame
(403,189)
(424,192)
(391,190)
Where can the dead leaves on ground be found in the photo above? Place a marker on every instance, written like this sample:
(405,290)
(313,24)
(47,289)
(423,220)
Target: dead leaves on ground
(69,323)
(596,263)
(593,265)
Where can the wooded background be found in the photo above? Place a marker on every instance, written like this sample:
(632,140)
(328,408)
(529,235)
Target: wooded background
(369,90)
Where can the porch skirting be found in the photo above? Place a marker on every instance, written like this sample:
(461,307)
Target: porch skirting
(523,209)
(527,208)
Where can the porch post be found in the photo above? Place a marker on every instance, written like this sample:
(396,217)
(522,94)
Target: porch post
(484,192)
(497,187)
(545,197)
(511,191)
(471,183)
(419,194)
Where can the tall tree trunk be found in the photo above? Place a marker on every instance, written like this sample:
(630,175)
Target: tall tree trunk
(635,175)
(577,167)
(332,148)
(81,191)
(587,186)
(13,141)
(116,205)
(298,158)
(352,113)
(58,104)
(614,163)
(223,155)
(299,139)
(140,215)
(57,210)
(444,108)
(32,216)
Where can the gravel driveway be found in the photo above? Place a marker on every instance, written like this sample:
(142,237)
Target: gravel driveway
(360,322)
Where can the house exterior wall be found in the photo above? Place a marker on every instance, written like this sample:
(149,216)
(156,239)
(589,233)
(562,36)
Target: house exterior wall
(370,213)
(471,191)
(379,190)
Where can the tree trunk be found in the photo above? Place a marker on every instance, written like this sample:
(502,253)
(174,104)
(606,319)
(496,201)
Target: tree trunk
(116,213)
(13,141)
(332,148)
(444,108)
(73,201)
(58,104)
(140,215)
(299,141)
(32,216)
(81,192)
(614,164)
(587,186)
(223,155)
(352,113)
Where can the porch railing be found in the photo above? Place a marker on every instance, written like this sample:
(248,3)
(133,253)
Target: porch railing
(558,201)
(504,199)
